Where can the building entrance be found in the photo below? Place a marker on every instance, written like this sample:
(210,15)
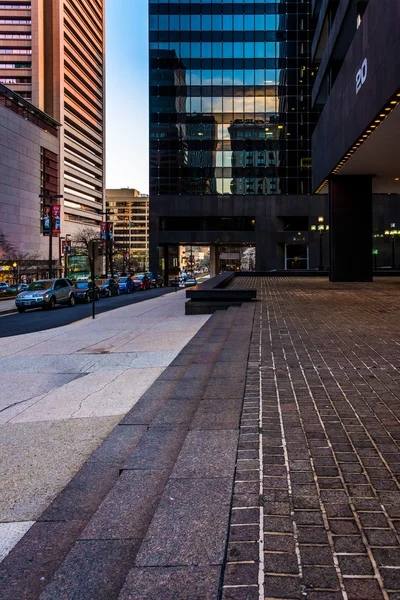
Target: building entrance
(296,256)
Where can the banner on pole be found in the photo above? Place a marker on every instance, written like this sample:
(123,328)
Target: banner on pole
(103,231)
(46,220)
(66,248)
(56,214)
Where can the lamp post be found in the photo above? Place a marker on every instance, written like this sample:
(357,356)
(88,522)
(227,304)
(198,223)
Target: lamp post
(15,274)
(108,242)
(393,233)
(322,228)
(66,250)
(51,197)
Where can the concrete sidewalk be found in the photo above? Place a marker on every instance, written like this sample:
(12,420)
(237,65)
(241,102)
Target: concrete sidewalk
(63,390)
(7,306)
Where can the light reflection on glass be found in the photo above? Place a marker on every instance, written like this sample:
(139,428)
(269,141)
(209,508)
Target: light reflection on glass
(230,98)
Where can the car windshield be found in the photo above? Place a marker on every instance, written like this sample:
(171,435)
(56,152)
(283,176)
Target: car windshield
(40,285)
(81,285)
(139,276)
(124,279)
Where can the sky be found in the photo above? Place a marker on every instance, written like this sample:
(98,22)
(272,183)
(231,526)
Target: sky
(127,94)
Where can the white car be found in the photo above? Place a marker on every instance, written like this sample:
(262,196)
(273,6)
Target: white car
(46,293)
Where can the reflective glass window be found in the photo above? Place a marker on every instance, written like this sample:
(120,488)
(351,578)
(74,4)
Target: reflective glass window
(230,96)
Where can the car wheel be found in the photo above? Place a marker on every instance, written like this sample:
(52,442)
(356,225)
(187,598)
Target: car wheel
(21,309)
(52,303)
(71,301)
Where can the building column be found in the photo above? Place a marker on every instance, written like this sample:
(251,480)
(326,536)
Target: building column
(350,225)
(171,255)
(154,247)
(213,260)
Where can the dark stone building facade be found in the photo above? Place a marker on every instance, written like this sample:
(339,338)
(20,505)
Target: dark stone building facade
(356,48)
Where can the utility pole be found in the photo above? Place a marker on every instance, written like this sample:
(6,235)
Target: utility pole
(51,197)
(93,253)
(106,244)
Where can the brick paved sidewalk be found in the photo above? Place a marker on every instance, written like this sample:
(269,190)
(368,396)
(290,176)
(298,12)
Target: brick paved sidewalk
(316,510)
(263,463)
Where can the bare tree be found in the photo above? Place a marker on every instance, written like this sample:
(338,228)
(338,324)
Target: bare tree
(24,260)
(81,240)
(249,259)
(6,248)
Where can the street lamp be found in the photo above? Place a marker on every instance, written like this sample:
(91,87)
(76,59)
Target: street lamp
(51,197)
(393,233)
(66,251)
(108,239)
(322,229)
(15,273)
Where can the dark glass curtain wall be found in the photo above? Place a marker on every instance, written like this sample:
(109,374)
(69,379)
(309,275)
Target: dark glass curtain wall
(230,88)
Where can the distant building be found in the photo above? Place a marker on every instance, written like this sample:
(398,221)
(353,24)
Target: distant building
(52,54)
(128,210)
(29,166)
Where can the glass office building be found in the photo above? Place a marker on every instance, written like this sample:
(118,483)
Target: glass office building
(230,89)
(230,130)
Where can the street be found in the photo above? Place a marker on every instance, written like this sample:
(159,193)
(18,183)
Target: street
(39,320)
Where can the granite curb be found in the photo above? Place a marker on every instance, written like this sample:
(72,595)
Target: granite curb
(144,493)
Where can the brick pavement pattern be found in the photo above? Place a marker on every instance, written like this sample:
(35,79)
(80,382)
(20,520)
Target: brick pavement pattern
(316,506)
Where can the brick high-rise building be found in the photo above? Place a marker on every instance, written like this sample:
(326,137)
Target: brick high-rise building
(52,54)
(129,212)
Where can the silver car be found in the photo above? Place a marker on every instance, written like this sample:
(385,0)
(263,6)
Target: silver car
(46,293)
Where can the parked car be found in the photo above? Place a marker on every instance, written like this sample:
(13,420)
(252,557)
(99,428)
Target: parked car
(46,293)
(142,282)
(21,288)
(84,291)
(190,281)
(156,280)
(3,286)
(109,287)
(126,285)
